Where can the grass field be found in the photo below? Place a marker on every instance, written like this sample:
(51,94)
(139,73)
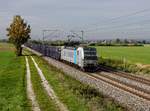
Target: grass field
(131,54)
(75,95)
(12,80)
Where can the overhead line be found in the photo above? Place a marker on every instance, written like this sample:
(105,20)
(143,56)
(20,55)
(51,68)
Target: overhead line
(127,15)
(117,26)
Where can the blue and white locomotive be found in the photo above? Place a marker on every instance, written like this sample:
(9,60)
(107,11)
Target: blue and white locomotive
(83,57)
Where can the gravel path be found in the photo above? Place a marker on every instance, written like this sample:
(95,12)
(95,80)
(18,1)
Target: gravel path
(49,89)
(30,92)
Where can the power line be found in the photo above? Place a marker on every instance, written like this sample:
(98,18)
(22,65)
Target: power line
(48,30)
(128,24)
(122,16)
(79,36)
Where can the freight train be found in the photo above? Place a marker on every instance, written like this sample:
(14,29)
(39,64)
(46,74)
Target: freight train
(84,58)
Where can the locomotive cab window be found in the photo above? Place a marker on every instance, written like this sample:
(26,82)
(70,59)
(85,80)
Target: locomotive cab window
(90,54)
(89,51)
(77,52)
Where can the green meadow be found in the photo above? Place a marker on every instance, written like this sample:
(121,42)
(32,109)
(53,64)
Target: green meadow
(12,80)
(131,54)
(76,96)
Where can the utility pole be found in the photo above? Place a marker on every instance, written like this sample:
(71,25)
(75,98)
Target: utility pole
(43,35)
(82,34)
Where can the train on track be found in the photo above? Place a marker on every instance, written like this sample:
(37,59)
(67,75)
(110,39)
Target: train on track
(82,57)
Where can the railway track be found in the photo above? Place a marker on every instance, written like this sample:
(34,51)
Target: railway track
(131,89)
(126,86)
(126,83)
(125,75)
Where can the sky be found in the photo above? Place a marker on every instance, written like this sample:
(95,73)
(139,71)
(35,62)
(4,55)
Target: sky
(99,19)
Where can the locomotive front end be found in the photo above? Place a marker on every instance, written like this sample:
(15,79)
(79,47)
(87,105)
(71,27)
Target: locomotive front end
(90,58)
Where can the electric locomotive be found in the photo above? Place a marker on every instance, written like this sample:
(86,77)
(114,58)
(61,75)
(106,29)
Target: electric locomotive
(83,57)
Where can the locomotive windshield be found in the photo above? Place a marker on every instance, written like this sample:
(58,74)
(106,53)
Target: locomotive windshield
(90,53)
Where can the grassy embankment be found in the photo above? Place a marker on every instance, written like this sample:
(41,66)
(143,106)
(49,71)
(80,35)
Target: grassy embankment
(75,95)
(12,80)
(125,58)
